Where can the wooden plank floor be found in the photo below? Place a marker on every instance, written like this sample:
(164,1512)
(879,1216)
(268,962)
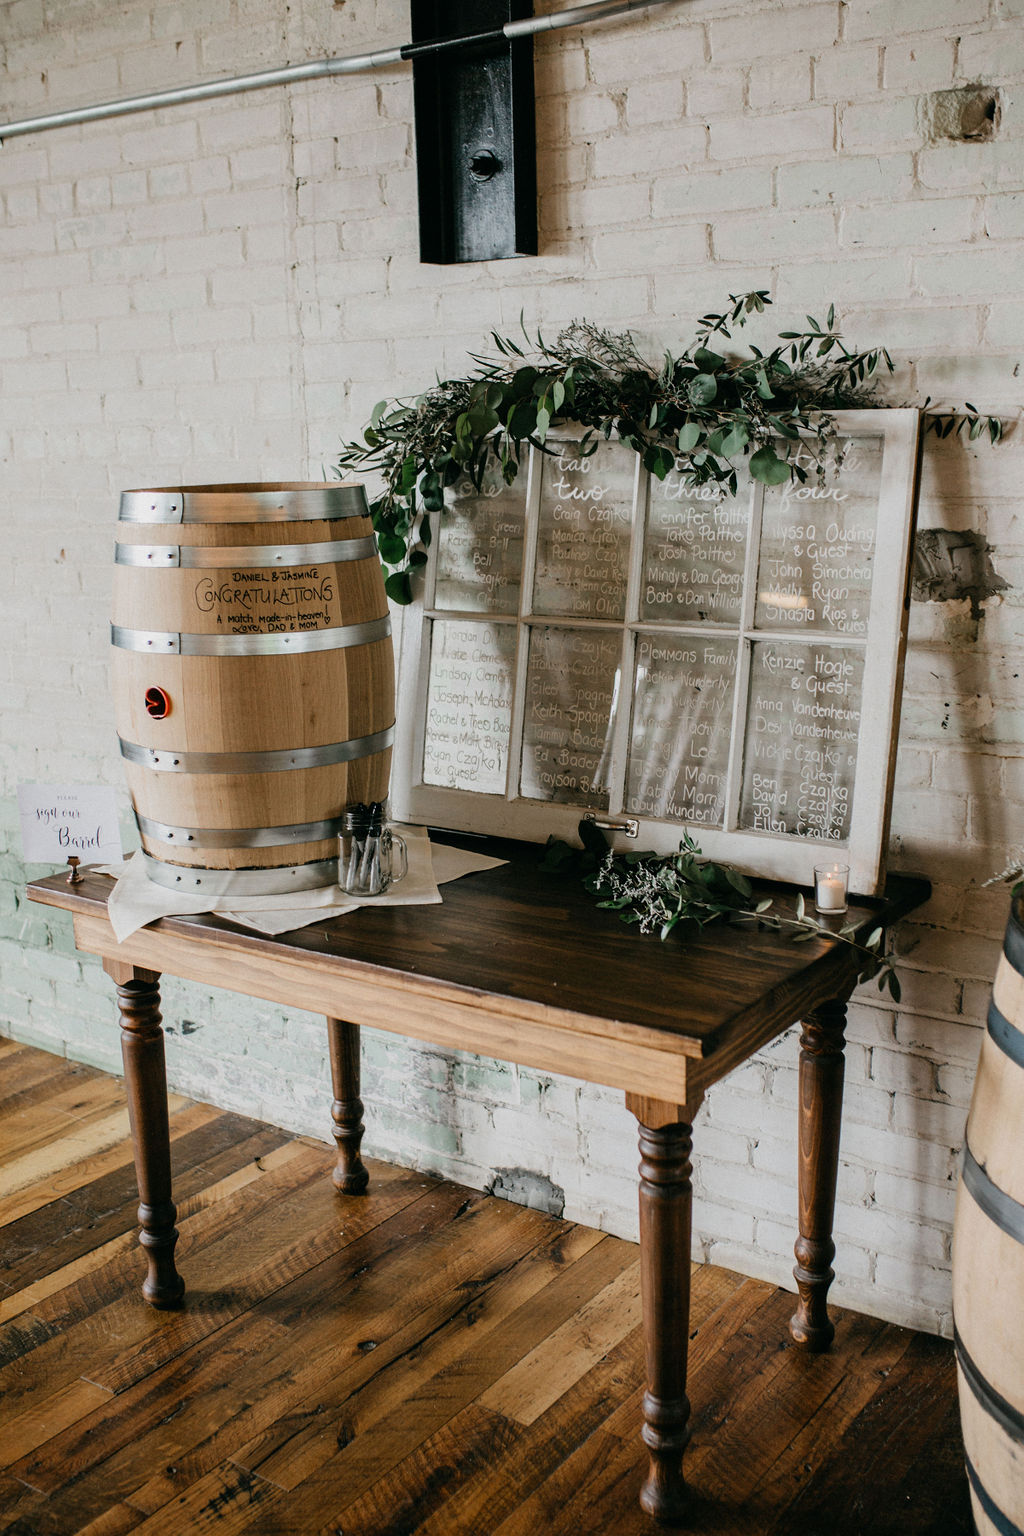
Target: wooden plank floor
(426,1359)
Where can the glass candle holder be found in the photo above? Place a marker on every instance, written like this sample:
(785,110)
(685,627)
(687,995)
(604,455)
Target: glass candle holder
(830,886)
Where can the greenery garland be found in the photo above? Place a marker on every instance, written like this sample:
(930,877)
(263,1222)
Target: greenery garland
(660,893)
(702,412)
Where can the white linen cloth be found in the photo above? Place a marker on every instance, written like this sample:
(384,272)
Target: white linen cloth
(136,900)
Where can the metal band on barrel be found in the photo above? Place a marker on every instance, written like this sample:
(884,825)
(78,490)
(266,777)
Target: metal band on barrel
(164,761)
(1009,1418)
(166,642)
(1013,942)
(995,1203)
(243,882)
(327,503)
(1001,1523)
(1007,1036)
(239,837)
(234,557)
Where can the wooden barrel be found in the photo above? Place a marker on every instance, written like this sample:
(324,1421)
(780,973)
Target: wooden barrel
(988,1257)
(253,678)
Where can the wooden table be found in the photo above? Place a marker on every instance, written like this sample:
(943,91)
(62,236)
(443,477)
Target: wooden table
(522,966)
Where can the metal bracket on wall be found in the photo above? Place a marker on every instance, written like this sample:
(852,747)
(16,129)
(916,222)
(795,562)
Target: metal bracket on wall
(476,159)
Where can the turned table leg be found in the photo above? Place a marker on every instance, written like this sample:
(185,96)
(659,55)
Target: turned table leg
(142,1050)
(350,1175)
(821,1107)
(666,1142)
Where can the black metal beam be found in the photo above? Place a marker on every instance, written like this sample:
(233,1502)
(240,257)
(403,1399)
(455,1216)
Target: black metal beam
(476,153)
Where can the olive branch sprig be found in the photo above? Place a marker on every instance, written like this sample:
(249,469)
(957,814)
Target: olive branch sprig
(658,893)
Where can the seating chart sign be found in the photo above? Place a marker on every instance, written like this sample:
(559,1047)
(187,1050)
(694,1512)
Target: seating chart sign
(605,641)
(682,728)
(818,547)
(586,515)
(803,727)
(571,688)
(694,552)
(469,706)
(480,547)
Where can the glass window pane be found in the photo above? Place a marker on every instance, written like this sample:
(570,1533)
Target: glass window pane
(694,552)
(480,545)
(586,512)
(803,721)
(469,705)
(682,719)
(572,686)
(818,545)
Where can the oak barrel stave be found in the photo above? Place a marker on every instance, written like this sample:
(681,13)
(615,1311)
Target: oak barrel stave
(988,1258)
(335,696)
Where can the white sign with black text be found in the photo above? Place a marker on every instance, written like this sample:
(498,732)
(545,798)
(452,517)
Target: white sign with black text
(61,821)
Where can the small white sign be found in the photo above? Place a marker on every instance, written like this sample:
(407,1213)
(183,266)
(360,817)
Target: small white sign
(61,820)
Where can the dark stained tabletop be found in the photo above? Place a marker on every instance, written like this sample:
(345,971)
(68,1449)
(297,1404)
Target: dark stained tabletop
(517,932)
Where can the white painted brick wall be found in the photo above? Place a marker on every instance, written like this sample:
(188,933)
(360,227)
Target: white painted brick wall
(223,291)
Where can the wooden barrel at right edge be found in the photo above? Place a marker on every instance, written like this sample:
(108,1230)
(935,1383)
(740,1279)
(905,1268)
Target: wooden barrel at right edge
(988,1258)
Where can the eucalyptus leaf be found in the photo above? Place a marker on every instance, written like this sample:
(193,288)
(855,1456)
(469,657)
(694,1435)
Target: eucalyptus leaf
(703,389)
(522,421)
(659,461)
(767,467)
(399,588)
(392,548)
(432,492)
(737,439)
(481,420)
(523,381)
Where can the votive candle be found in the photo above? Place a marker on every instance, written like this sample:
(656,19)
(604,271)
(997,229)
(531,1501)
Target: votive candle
(830,882)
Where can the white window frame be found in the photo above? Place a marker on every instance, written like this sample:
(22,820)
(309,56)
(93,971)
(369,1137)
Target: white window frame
(768,854)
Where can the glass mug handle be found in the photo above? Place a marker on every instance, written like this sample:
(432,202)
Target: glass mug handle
(390,845)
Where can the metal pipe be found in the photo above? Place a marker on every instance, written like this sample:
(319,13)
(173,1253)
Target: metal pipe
(319,69)
(316,69)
